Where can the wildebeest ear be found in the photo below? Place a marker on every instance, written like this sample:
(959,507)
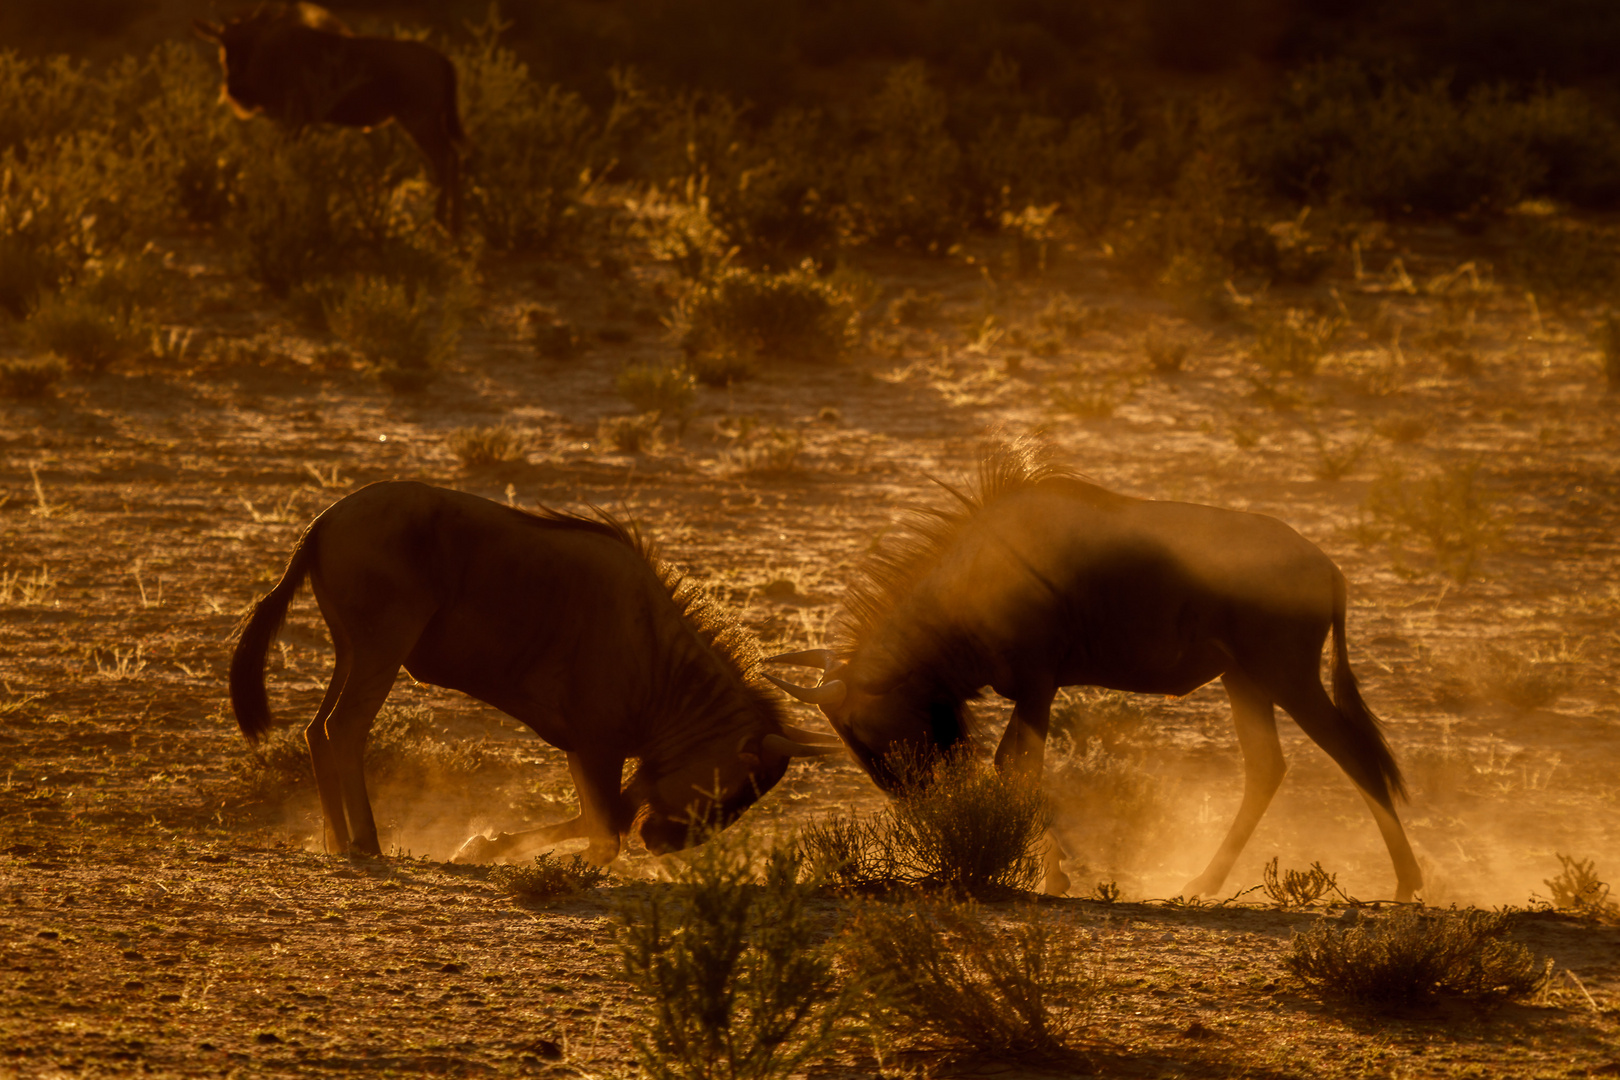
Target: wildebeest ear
(208,31)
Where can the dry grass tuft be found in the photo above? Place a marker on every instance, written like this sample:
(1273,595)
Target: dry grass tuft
(661,388)
(1578,889)
(481,447)
(1447,513)
(1411,955)
(547,877)
(1298,888)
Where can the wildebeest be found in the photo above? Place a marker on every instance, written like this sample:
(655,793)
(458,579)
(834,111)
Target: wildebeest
(1038,580)
(569,624)
(298,64)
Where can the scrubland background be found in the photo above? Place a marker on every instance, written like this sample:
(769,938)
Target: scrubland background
(749,275)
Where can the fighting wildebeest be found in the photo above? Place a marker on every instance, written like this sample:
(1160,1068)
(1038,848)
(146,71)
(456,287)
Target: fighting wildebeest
(1037,580)
(569,624)
(298,64)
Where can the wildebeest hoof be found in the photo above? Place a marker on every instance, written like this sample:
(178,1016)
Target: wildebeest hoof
(479,849)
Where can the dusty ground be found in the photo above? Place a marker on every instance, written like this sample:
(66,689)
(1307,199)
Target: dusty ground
(159,917)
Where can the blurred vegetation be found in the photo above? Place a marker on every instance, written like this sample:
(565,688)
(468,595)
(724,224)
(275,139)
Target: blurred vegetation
(747,146)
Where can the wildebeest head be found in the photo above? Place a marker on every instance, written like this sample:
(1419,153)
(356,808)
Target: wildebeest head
(896,726)
(252,48)
(714,783)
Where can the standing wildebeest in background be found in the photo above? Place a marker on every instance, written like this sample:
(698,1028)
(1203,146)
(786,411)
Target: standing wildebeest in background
(1038,580)
(298,64)
(570,625)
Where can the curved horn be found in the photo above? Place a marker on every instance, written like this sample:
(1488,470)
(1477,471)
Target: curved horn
(806,735)
(811,658)
(827,694)
(207,31)
(781,744)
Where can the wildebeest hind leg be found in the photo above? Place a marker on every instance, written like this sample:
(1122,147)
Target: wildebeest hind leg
(346,729)
(327,781)
(1263,766)
(1326,725)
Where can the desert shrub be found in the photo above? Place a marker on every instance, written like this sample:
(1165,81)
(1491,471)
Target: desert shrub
(631,434)
(1335,455)
(88,334)
(26,380)
(961,826)
(738,979)
(405,338)
(1343,131)
(1561,259)
(192,152)
(766,451)
(937,968)
(547,877)
(903,180)
(1446,512)
(795,315)
(1519,680)
(1410,954)
(45,96)
(1578,888)
(555,338)
(328,202)
(26,270)
(662,388)
(723,366)
(485,445)
(767,193)
(1165,354)
(531,146)
(1293,342)
(1089,396)
(1297,888)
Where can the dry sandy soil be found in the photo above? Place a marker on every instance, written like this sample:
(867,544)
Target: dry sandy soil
(158,914)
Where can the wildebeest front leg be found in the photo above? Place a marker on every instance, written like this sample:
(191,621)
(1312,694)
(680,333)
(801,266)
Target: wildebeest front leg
(1263,767)
(603,818)
(1021,753)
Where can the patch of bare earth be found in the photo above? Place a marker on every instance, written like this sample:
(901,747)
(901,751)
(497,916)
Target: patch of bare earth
(159,914)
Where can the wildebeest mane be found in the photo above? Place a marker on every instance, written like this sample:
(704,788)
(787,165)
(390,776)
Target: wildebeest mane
(890,572)
(715,627)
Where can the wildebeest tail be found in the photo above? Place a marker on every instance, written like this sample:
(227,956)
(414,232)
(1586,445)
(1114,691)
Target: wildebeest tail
(1382,776)
(258,633)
